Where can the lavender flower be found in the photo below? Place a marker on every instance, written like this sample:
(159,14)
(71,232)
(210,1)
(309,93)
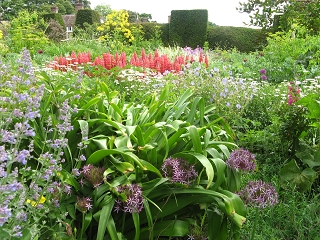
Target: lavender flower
(241,159)
(259,194)
(179,171)
(133,201)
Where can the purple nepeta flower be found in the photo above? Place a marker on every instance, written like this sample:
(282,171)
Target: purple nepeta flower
(179,170)
(259,194)
(134,198)
(241,159)
(5,214)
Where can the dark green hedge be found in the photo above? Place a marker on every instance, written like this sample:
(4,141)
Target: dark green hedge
(54,16)
(241,38)
(188,27)
(86,15)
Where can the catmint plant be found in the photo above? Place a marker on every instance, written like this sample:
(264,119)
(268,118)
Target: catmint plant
(29,184)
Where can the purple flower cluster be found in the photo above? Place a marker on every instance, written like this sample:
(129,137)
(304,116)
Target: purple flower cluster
(133,201)
(263,73)
(259,194)
(179,171)
(241,159)
(93,174)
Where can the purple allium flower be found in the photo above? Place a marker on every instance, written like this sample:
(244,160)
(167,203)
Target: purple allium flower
(263,71)
(242,159)
(134,198)
(179,170)
(259,194)
(84,204)
(93,174)
(264,77)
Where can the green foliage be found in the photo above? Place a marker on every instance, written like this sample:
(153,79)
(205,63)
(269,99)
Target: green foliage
(188,27)
(54,16)
(103,9)
(27,31)
(88,16)
(132,141)
(55,32)
(243,39)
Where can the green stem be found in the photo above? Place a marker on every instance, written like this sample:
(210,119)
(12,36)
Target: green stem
(255,224)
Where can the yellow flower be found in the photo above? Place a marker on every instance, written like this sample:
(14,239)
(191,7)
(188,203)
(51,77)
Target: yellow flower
(40,201)
(100,28)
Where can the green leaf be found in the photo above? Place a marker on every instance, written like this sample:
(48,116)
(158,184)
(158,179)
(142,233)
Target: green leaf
(86,222)
(148,166)
(195,138)
(169,228)
(106,222)
(149,217)
(136,222)
(309,159)
(101,143)
(87,106)
(97,156)
(220,167)
(293,175)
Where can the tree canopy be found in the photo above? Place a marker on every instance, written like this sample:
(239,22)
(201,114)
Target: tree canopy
(282,13)
(10,8)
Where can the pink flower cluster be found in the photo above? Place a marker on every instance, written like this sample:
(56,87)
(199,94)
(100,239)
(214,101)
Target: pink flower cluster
(293,93)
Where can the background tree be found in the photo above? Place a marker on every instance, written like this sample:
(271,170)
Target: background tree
(103,10)
(283,13)
(145,17)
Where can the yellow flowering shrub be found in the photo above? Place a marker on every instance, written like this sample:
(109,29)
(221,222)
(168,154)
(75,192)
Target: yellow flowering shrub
(1,34)
(116,27)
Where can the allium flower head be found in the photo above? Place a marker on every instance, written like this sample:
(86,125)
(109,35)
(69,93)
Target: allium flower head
(84,204)
(264,77)
(242,159)
(93,174)
(259,194)
(263,71)
(179,170)
(134,198)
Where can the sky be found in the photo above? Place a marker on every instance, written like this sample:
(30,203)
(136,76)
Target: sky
(220,12)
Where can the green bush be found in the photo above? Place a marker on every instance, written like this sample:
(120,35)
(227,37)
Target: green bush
(55,32)
(55,16)
(243,39)
(88,16)
(188,27)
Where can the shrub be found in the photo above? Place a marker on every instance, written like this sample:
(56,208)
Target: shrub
(55,32)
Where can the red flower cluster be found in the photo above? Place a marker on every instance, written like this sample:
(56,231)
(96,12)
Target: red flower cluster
(160,63)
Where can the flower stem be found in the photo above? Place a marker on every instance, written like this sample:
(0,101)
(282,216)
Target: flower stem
(255,224)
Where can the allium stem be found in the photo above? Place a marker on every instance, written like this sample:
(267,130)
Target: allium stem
(255,223)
